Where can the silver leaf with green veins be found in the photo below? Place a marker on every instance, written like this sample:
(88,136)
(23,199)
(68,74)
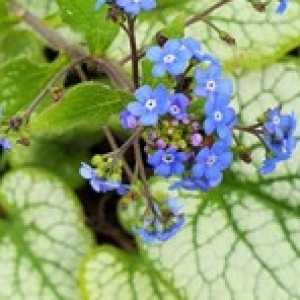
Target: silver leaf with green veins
(241,241)
(42,240)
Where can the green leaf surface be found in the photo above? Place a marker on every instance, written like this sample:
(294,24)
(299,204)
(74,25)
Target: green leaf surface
(83,110)
(42,239)
(123,276)
(241,240)
(261,38)
(22,80)
(81,15)
(21,43)
(62,160)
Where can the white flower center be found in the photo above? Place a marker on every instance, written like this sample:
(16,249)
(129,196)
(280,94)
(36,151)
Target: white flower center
(276,120)
(168,158)
(169,58)
(211,85)
(218,116)
(175,109)
(211,160)
(150,104)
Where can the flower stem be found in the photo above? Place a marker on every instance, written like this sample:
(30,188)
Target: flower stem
(115,147)
(134,51)
(142,172)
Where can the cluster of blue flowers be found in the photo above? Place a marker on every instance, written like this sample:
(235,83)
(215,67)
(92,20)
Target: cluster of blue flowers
(187,126)
(131,7)
(278,136)
(200,162)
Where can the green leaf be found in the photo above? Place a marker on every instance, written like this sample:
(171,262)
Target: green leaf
(42,238)
(261,38)
(109,273)
(81,15)
(61,159)
(21,42)
(242,239)
(175,29)
(22,80)
(83,110)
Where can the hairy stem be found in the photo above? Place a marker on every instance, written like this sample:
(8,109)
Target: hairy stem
(201,16)
(134,52)
(141,170)
(137,132)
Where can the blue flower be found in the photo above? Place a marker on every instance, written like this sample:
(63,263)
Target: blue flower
(99,3)
(219,117)
(150,104)
(134,7)
(277,124)
(128,120)
(279,139)
(154,231)
(170,58)
(5,144)
(178,106)
(209,165)
(282,6)
(167,162)
(269,165)
(101,185)
(194,48)
(210,82)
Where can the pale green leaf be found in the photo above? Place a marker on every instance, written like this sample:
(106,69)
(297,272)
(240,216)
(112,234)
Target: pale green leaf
(261,38)
(109,273)
(242,239)
(42,238)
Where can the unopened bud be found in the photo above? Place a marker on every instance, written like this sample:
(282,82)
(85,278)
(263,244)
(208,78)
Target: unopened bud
(227,38)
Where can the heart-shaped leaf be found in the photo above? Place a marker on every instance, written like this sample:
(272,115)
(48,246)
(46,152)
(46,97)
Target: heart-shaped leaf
(242,239)
(42,237)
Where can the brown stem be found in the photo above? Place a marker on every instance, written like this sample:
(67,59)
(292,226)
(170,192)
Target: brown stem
(134,52)
(137,132)
(3,214)
(205,13)
(115,147)
(141,169)
(55,40)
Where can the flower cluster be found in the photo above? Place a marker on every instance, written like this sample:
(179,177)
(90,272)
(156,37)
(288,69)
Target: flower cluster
(278,136)
(131,7)
(105,177)
(189,131)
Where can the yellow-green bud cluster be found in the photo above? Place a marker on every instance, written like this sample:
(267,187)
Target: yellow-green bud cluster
(107,166)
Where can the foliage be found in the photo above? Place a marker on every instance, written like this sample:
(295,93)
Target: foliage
(240,240)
